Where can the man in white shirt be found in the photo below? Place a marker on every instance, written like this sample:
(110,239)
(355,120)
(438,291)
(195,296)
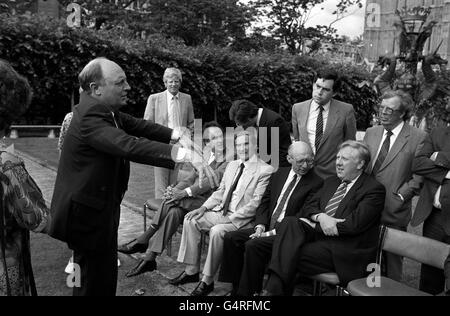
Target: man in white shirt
(247,251)
(172,109)
(231,207)
(433,208)
(393,146)
(324,122)
(344,238)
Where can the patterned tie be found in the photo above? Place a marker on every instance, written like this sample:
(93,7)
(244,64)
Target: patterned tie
(337,198)
(383,153)
(226,204)
(319,127)
(283,201)
(175,112)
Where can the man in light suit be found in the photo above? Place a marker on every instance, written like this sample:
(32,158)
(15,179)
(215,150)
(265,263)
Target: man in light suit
(433,208)
(181,199)
(324,122)
(173,109)
(340,230)
(231,207)
(393,147)
(247,251)
(94,169)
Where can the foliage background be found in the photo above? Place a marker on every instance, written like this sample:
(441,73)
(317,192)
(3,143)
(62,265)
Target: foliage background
(51,55)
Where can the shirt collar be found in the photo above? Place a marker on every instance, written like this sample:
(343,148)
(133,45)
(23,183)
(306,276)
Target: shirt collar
(170,95)
(396,131)
(252,160)
(326,107)
(260,112)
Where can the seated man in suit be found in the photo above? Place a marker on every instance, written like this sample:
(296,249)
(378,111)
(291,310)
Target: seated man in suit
(173,109)
(184,197)
(340,230)
(324,122)
(246,114)
(231,207)
(248,250)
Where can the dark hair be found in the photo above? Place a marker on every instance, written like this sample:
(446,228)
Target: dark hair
(329,74)
(212,124)
(242,111)
(15,94)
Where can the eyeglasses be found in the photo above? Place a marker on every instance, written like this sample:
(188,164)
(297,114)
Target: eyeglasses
(386,110)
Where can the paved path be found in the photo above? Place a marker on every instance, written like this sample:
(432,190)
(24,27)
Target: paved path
(131,225)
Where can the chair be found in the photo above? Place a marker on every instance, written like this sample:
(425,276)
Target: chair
(330,278)
(153,205)
(418,248)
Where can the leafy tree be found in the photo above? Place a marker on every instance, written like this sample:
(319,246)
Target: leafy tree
(288,19)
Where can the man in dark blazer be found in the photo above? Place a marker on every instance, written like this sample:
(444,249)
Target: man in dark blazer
(247,251)
(340,230)
(324,122)
(94,169)
(433,208)
(184,197)
(393,146)
(268,123)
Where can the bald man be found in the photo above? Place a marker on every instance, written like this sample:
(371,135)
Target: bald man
(247,251)
(94,169)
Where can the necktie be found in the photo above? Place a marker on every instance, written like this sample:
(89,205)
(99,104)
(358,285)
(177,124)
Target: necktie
(319,127)
(226,204)
(383,153)
(337,198)
(283,201)
(175,112)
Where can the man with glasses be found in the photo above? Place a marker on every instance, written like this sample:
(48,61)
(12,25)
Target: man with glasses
(247,251)
(393,147)
(324,122)
(172,109)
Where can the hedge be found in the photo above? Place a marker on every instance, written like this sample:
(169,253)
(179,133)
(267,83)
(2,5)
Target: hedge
(51,55)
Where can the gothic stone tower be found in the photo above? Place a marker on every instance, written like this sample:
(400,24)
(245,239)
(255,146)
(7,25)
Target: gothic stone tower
(379,29)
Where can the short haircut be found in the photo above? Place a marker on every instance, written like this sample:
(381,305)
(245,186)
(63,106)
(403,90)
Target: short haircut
(406,101)
(329,74)
(92,72)
(172,72)
(212,124)
(15,94)
(307,145)
(243,132)
(242,111)
(362,148)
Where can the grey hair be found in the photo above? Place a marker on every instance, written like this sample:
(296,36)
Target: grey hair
(362,148)
(172,72)
(308,146)
(92,72)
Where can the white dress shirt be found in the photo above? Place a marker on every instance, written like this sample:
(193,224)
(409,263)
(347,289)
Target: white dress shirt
(260,111)
(312,121)
(395,132)
(437,196)
(170,109)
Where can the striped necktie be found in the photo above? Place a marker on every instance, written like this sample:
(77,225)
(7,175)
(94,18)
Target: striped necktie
(283,201)
(383,153)
(319,128)
(337,198)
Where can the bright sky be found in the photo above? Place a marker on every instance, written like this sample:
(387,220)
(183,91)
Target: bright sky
(351,26)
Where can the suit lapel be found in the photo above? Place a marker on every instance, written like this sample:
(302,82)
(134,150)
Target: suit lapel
(400,142)
(183,114)
(350,194)
(162,107)
(298,190)
(249,173)
(281,180)
(375,139)
(264,119)
(303,119)
(329,192)
(333,117)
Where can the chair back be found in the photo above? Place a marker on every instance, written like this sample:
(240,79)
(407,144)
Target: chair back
(418,248)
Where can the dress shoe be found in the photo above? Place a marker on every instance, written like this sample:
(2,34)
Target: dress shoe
(184,278)
(142,267)
(130,248)
(203,289)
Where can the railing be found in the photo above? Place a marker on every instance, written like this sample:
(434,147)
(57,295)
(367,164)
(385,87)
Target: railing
(52,129)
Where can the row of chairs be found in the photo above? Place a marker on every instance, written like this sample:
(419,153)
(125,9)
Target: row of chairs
(421,249)
(418,248)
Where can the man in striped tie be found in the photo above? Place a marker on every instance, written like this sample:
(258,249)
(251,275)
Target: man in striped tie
(340,231)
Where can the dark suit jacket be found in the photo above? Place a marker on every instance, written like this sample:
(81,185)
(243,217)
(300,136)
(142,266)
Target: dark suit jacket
(434,173)
(271,119)
(356,245)
(93,172)
(305,190)
(341,126)
(396,172)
